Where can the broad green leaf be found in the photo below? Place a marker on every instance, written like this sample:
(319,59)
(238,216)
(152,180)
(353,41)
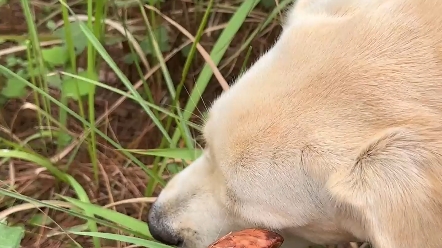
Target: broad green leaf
(122,238)
(186,50)
(268,3)
(174,168)
(162,37)
(78,37)
(69,86)
(35,72)
(51,25)
(11,61)
(14,88)
(130,58)
(116,217)
(64,139)
(114,40)
(176,153)
(55,56)
(10,237)
(54,80)
(40,220)
(47,9)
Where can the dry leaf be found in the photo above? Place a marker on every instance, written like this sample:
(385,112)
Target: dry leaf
(249,238)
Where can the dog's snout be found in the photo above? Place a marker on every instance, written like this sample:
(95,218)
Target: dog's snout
(160,229)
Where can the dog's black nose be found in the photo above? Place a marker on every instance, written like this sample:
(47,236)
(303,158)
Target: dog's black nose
(160,229)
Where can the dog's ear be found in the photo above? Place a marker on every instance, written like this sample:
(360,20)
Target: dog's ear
(393,189)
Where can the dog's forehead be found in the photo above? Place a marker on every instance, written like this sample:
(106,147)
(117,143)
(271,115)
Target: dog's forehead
(304,84)
(267,96)
(301,60)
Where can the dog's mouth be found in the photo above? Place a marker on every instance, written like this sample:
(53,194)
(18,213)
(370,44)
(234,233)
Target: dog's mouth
(179,244)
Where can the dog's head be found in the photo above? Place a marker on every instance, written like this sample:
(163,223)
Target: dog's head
(253,150)
(300,116)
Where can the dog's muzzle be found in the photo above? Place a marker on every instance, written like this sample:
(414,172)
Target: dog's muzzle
(160,229)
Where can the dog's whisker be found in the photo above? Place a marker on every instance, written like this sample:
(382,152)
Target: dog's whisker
(223,223)
(202,100)
(193,102)
(189,112)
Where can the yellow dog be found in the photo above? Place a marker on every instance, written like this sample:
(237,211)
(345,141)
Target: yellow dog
(333,135)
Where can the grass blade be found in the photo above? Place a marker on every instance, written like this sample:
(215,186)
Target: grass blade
(154,176)
(217,53)
(132,240)
(37,159)
(38,203)
(175,153)
(116,217)
(55,171)
(100,49)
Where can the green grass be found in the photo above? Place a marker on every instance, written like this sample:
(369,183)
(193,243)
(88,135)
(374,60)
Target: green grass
(36,73)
